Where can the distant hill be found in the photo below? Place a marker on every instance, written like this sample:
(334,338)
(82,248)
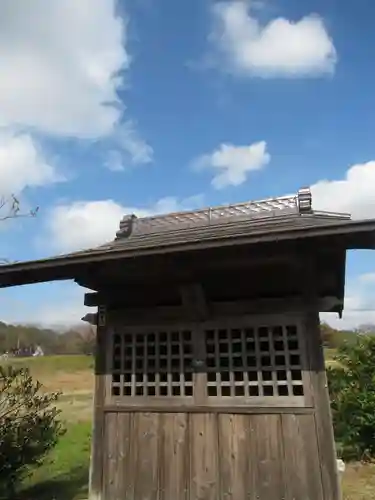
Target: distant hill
(79,340)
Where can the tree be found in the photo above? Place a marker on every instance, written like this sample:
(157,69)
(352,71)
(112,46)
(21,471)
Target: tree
(351,386)
(29,426)
(328,334)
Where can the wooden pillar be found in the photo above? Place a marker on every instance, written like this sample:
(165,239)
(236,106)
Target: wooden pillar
(97,440)
(323,415)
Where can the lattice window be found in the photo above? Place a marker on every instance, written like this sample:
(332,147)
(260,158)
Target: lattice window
(254,362)
(152,364)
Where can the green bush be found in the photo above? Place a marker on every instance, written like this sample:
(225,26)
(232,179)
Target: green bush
(352,392)
(29,426)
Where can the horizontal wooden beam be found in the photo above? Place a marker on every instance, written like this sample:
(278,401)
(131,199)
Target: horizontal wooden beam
(238,409)
(177,269)
(217,310)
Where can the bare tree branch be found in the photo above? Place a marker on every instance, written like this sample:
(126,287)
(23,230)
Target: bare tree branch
(14,210)
(10,209)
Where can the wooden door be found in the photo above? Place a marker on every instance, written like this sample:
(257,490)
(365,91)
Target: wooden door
(211,411)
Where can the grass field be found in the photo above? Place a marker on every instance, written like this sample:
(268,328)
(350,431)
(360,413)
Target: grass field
(64,475)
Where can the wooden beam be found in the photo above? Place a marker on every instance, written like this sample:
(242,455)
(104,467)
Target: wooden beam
(217,310)
(178,269)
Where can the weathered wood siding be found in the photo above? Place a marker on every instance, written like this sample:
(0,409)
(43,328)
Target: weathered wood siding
(188,456)
(207,436)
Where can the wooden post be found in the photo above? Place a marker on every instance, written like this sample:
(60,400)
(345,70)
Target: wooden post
(97,440)
(323,415)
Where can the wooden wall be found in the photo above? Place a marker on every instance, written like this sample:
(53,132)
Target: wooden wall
(187,456)
(143,449)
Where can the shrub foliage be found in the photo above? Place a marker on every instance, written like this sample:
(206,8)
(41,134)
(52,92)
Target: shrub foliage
(29,426)
(352,392)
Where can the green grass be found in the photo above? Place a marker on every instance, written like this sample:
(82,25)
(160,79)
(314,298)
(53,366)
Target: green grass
(64,474)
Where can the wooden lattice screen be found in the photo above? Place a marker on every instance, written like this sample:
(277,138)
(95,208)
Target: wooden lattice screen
(242,365)
(153,364)
(264,361)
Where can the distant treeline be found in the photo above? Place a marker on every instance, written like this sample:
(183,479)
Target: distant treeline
(77,340)
(333,338)
(81,339)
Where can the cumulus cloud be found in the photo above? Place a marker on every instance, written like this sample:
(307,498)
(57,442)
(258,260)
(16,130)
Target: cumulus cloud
(59,64)
(63,308)
(85,224)
(358,304)
(23,164)
(354,194)
(232,164)
(281,48)
(62,64)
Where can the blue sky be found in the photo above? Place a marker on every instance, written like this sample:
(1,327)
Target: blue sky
(109,107)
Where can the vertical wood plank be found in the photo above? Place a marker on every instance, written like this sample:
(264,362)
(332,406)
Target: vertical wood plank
(130,468)
(96,462)
(301,459)
(204,480)
(124,421)
(234,457)
(269,479)
(110,445)
(174,457)
(147,473)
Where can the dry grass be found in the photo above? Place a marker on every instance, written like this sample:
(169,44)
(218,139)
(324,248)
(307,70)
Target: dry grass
(359,482)
(71,375)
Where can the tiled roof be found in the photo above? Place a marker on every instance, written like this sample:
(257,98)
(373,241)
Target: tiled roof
(251,211)
(252,222)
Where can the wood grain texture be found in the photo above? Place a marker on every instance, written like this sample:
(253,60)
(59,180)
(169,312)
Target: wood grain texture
(204,453)
(147,477)
(111,457)
(98,427)
(174,457)
(236,473)
(301,459)
(267,441)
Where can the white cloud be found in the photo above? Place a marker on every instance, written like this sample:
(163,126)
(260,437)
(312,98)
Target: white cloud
(368,278)
(126,138)
(59,63)
(62,64)
(233,163)
(85,224)
(358,305)
(22,164)
(354,194)
(64,307)
(281,48)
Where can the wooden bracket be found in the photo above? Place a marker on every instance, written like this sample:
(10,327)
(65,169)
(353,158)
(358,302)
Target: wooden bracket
(101,315)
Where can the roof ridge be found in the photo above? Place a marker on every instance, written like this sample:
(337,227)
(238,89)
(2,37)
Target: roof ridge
(301,203)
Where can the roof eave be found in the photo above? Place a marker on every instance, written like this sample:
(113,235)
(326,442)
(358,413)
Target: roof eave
(69,266)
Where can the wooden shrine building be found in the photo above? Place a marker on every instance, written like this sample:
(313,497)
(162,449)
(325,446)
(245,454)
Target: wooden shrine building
(210,377)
